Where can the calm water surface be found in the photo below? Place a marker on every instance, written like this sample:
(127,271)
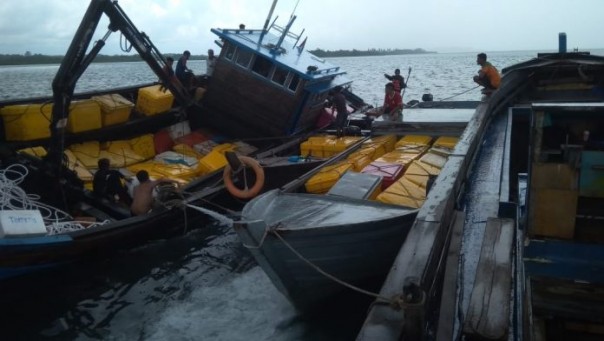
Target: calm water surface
(203,285)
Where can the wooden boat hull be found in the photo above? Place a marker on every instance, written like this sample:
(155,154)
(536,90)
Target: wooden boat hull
(522,259)
(351,240)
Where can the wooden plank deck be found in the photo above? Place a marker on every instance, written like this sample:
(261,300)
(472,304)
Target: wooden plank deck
(488,315)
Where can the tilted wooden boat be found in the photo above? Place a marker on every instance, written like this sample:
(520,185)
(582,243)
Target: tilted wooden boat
(518,255)
(343,224)
(47,143)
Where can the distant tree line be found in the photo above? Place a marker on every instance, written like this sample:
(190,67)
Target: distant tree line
(371,52)
(29,58)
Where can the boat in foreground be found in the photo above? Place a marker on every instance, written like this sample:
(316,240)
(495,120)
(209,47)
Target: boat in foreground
(517,255)
(340,226)
(51,146)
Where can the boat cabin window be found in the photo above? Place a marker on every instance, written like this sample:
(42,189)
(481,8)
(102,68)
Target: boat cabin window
(244,57)
(279,76)
(262,66)
(230,52)
(293,84)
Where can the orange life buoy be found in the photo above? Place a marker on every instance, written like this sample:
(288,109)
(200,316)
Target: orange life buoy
(247,192)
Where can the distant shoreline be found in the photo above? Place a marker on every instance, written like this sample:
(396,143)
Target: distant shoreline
(37,59)
(372,52)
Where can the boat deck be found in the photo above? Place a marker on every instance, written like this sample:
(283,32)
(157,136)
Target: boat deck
(481,204)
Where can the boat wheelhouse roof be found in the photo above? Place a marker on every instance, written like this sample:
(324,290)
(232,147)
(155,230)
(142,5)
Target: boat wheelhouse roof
(285,54)
(548,59)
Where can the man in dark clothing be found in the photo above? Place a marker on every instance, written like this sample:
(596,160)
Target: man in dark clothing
(397,80)
(107,183)
(339,101)
(181,67)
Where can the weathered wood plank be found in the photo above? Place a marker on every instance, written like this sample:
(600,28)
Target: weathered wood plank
(489,309)
(448,304)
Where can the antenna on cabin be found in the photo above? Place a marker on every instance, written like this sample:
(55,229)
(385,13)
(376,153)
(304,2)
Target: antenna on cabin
(294,11)
(284,33)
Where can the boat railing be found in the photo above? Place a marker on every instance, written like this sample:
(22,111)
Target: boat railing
(281,29)
(324,71)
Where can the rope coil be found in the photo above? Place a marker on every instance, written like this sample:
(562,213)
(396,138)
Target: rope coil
(13,197)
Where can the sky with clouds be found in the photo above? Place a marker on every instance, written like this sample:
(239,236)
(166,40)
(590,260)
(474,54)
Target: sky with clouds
(47,26)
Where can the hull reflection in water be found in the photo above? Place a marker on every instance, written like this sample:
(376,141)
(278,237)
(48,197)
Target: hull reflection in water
(202,286)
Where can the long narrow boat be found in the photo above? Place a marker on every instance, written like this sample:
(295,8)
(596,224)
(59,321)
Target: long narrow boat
(518,255)
(342,225)
(51,146)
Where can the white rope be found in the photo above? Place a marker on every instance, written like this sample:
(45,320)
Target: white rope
(330,276)
(396,302)
(13,197)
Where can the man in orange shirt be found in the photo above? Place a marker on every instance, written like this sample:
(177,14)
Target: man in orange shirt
(488,76)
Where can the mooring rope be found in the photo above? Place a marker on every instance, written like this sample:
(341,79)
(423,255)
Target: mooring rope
(397,302)
(461,93)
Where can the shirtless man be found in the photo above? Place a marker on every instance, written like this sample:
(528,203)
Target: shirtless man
(142,201)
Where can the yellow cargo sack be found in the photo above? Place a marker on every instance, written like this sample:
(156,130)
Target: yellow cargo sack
(321,182)
(151,100)
(115,109)
(26,122)
(83,116)
(144,146)
(38,152)
(404,193)
(87,153)
(417,140)
(446,142)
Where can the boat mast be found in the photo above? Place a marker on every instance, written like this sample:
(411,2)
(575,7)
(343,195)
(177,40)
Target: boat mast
(270,14)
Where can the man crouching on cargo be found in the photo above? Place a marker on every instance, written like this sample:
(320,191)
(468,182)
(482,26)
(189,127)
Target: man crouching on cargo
(392,110)
(142,201)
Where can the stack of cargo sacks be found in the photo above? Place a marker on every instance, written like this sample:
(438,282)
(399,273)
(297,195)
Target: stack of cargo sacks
(412,188)
(84,115)
(120,153)
(144,146)
(115,109)
(26,122)
(215,159)
(326,146)
(322,182)
(72,163)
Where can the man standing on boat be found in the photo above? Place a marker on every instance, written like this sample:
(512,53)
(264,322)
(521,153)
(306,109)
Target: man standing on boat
(397,80)
(181,67)
(210,63)
(488,76)
(339,101)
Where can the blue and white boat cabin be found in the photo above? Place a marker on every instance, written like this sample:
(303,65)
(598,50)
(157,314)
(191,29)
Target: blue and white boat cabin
(280,87)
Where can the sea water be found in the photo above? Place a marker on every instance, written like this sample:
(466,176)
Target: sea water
(203,285)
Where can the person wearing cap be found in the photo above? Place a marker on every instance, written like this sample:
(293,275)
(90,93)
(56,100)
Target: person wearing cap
(397,80)
(488,76)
